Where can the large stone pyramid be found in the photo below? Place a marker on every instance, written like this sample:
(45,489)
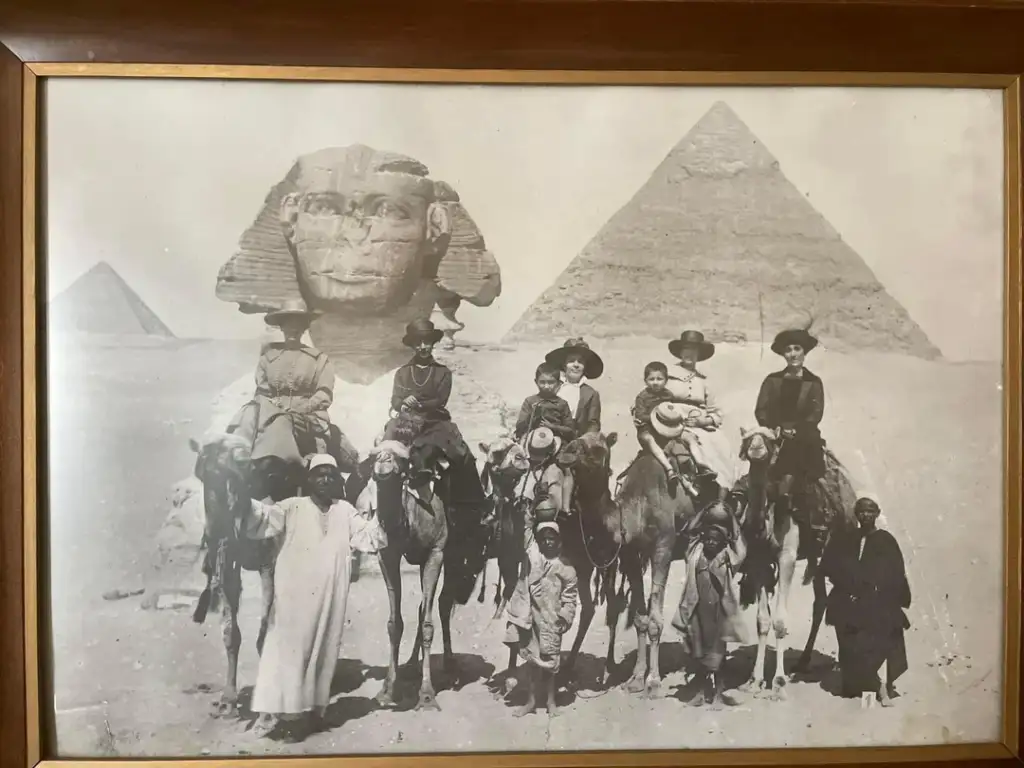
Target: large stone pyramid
(101,302)
(718,239)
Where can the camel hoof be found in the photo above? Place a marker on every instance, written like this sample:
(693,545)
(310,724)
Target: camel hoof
(385,698)
(751,686)
(225,707)
(654,689)
(803,666)
(779,689)
(428,702)
(635,684)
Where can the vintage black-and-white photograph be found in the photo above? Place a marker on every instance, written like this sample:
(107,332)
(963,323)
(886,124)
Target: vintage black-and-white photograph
(405,418)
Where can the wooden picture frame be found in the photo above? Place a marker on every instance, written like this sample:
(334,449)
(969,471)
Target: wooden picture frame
(912,43)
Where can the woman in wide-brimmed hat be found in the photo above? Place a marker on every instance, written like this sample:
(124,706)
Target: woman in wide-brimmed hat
(298,380)
(420,417)
(703,431)
(792,402)
(579,365)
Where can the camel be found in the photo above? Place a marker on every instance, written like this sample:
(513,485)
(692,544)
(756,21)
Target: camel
(642,521)
(776,541)
(604,536)
(506,463)
(420,529)
(231,478)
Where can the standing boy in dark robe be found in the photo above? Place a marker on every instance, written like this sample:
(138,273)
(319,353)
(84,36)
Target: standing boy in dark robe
(870,592)
(709,615)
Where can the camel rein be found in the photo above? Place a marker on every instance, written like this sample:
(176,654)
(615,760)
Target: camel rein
(583,534)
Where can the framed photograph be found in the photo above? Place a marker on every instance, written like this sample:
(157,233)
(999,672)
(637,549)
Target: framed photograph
(591,383)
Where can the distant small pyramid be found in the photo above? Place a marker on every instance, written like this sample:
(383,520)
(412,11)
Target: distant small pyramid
(101,302)
(718,239)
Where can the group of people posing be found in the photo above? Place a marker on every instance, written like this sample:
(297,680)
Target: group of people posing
(677,420)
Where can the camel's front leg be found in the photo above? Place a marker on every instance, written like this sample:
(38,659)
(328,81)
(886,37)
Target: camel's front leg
(266,603)
(638,607)
(445,606)
(390,560)
(820,602)
(231,590)
(414,656)
(758,673)
(429,574)
(586,617)
(780,616)
(613,610)
(660,563)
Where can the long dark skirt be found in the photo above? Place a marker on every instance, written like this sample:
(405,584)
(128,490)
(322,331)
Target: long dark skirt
(802,456)
(862,653)
(437,439)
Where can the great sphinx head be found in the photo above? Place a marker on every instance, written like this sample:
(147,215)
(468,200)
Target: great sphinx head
(368,239)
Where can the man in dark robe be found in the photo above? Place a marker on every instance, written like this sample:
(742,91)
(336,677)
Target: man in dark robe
(870,592)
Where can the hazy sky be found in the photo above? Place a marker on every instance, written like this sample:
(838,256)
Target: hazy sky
(161,178)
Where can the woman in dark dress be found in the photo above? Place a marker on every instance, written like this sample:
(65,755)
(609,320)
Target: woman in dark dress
(420,418)
(870,592)
(792,402)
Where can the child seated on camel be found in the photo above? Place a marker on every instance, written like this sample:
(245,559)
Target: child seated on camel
(546,408)
(660,427)
(541,611)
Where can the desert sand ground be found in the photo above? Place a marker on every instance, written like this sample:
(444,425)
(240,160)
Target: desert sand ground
(131,681)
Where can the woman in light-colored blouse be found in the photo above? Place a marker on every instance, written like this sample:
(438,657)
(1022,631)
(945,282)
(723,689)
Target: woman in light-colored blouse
(705,436)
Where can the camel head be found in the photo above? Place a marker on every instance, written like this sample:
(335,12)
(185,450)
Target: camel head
(757,445)
(222,456)
(506,460)
(390,460)
(591,451)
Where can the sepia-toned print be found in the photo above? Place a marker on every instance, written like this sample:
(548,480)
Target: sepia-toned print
(451,419)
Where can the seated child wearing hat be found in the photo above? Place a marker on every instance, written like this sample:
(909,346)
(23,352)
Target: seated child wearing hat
(541,486)
(659,443)
(541,611)
(546,408)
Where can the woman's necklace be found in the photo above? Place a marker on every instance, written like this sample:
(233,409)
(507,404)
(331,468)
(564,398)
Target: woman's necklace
(417,382)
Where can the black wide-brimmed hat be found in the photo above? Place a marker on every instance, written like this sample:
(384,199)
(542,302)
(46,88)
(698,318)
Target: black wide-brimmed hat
(793,336)
(293,309)
(421,330)
(593,365)
(705,349)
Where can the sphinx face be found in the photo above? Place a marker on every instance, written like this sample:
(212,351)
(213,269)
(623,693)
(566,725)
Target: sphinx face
(360,238)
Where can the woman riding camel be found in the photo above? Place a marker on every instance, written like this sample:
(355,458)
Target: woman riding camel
(420,418)
(702,427)
(579,364)
(792,402)
(295,380)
